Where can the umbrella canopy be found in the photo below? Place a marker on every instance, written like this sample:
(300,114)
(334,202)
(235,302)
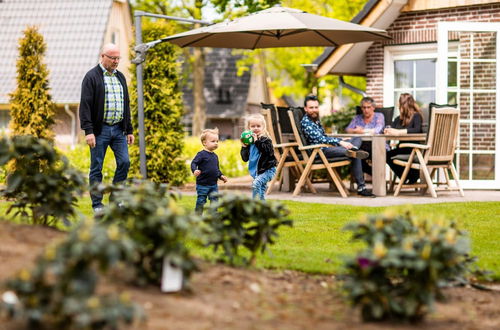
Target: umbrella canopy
(277,27)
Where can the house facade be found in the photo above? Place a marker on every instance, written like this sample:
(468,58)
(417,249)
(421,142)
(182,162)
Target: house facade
(229,96)
(74,31)
(444,52)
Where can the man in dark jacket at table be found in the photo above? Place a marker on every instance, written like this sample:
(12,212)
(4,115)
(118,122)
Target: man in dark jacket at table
(315,134)
(105,118)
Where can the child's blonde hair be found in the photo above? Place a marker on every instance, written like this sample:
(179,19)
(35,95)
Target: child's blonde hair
(207,131)
(259,117)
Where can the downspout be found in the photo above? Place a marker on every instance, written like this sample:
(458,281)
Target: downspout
(351,87)
(73,124)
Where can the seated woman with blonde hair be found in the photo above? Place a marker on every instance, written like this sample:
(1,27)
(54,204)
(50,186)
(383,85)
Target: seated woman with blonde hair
(408,121)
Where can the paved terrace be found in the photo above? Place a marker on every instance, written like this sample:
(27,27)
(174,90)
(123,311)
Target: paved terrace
(324,196)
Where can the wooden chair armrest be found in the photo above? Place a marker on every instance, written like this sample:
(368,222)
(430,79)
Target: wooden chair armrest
(414,145)
(314,146)
(283,145)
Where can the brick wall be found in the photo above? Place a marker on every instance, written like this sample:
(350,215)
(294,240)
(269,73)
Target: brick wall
(421,27)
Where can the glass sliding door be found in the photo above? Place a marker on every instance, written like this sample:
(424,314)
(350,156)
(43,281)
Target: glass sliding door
(469,78)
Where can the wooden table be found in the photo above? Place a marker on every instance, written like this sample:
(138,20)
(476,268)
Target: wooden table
(379,155)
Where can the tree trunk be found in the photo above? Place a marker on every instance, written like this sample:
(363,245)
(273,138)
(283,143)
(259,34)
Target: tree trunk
(199,111)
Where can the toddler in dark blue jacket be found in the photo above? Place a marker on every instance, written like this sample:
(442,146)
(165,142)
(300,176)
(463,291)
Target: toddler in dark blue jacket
(205,167)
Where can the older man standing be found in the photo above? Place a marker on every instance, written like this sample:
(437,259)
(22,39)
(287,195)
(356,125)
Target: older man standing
(105,118)
(315,134)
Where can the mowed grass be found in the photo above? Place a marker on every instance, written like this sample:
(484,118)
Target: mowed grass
(317,244)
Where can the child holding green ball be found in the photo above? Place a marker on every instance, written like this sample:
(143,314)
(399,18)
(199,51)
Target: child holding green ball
(259,155)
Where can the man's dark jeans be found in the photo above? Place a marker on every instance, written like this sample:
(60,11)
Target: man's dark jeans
(202,193)
(356,167)
(111,136)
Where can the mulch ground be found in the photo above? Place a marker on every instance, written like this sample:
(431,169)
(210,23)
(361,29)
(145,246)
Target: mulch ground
(234,298)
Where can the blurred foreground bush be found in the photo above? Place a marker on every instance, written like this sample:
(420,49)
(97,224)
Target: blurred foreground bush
(406,261)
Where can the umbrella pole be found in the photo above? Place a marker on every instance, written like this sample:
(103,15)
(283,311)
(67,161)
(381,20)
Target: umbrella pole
(140,101)
(141,50)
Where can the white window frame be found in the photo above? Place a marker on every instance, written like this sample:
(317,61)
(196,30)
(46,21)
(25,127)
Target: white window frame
(441,93)
(401,53)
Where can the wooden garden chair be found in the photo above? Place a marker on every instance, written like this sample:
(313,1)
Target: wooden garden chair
(314,157)
(284,151)
(437,153)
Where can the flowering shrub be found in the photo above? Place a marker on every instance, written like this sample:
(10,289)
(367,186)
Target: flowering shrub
(60,292)
(237,220)
(397,275)
(158,226)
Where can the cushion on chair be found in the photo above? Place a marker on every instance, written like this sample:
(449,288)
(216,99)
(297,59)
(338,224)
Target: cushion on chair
(289,158)
(406,157)
(318,160)
(269,106)
(284,120)
(297,116)
(427,112)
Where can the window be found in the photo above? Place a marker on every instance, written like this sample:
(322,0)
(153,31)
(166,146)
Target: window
(417,77)
(412,69)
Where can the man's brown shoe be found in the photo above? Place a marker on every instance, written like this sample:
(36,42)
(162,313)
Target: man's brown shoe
(359,154)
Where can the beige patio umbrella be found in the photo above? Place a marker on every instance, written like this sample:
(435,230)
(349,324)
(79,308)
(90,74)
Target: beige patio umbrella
(277,27)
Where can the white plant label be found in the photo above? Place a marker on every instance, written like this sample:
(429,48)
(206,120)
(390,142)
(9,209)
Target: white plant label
(171,278)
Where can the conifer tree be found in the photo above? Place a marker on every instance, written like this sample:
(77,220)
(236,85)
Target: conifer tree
(163,110)
(32,110)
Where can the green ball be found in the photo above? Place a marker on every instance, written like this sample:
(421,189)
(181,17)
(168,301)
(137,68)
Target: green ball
(247,137)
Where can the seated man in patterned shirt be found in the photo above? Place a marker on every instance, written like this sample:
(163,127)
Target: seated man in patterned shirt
(315,134)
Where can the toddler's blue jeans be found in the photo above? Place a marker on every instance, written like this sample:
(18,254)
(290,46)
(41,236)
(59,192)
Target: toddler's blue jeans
(259,185)
(202,193)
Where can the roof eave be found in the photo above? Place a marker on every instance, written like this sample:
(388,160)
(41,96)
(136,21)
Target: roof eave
(372,15)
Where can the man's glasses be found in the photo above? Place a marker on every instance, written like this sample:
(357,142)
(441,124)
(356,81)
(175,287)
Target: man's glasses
(113,58)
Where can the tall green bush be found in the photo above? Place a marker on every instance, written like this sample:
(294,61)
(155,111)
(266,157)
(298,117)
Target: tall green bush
(41,180)
(163,110)
(32,110)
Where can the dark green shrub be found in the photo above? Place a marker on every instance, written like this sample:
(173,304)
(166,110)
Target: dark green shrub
(60,292)
(339,119)
(157,225)
(238,220)
(41,180)
(31,107)
(406,259)
(163,110)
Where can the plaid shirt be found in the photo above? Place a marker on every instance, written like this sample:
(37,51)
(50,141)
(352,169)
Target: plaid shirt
(315,134)
(113,98)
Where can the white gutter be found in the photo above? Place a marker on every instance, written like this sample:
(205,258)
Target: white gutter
(73,124)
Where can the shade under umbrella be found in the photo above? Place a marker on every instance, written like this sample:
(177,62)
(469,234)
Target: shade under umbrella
(277,27)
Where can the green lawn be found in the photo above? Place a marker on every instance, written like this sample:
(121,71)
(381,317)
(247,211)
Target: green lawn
(316,243)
